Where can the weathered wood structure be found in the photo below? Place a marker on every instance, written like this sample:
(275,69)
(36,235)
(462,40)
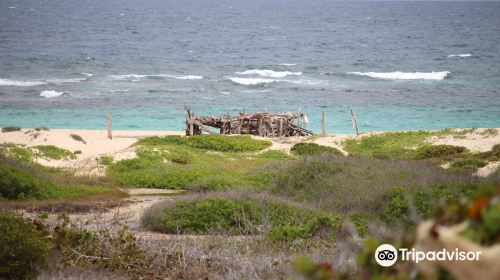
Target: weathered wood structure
(261,124)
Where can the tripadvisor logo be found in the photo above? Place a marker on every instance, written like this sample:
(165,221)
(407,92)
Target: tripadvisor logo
(387,255)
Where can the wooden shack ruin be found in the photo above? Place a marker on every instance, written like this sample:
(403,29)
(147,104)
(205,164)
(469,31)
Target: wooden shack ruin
(263,124)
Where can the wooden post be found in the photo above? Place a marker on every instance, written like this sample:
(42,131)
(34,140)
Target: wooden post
(279,128)
(355,122)
(323,123)
(110,123)
(260,127)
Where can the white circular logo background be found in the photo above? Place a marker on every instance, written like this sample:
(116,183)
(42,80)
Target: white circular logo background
(386,255)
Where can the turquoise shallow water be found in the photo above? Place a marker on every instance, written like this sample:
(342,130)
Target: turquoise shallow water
(400,65)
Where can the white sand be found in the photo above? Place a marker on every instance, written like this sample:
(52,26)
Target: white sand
(476,141)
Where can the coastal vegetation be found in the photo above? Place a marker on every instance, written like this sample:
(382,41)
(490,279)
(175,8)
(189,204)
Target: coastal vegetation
(245,205)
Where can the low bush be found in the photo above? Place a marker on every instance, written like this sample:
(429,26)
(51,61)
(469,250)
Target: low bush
(312,149)
(53,152)
(221,143)
(439,151)
(467,165)
(22,182)
(361,223)
(10,129)
(105,160)
(395,206)
(236,214)
(22,249)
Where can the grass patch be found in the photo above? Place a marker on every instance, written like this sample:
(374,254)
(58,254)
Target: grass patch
(10,128)
(394,145)
(22,182)
(273,154)
(161,164)
(240,214)
(77,137)
(210,142)
(53,152)
(17,153)
(312,149)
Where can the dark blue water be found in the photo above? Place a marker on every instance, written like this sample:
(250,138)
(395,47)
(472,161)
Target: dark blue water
(400,65)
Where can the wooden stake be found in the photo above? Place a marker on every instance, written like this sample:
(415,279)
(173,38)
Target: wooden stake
(109,119)
(355,122)
(323,122)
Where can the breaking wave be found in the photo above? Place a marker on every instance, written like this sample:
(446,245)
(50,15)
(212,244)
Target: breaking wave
(460,55)
(404,75)
(7,82)
(251,81)
(135,77)
(269,73)
(52,93)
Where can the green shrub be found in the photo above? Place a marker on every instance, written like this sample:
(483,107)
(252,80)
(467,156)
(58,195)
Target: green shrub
(20,182)
(360,222)
(312,149)
(22,249)
(467,165)
(53,152)
(10,129)
(221,143)
(395,206)
(77,137)
(439,151)
(493,155)
(240,215)
(105,160)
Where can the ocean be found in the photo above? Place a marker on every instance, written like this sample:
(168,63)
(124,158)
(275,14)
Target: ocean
(399,65)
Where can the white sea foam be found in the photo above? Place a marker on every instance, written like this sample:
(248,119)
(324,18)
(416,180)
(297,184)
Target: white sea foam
(119,90)
(269,73)
(7,82)
(187,77)
(460,55)
(51,93)
(62,81)
(86,74)
(404,75)
(288,64)
(225,92)
(251,81)
(137,77)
